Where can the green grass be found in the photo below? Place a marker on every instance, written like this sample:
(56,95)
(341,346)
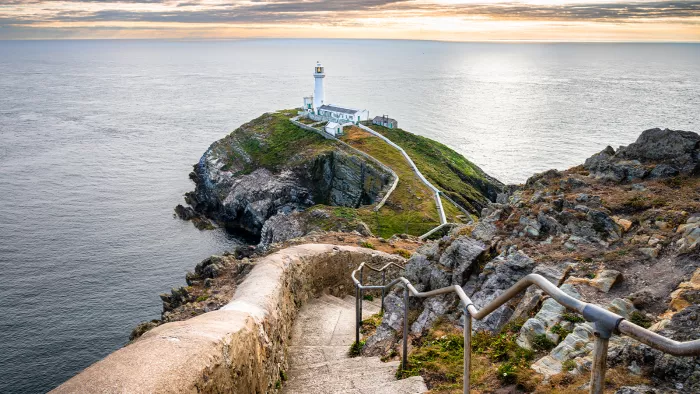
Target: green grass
(370,324)
(573,317)
(367,245)
(403,253)
(449,171)
(411,208)
(266,142)
(495,358)
(640,319)
(203,297)
(541,342)
(559,330)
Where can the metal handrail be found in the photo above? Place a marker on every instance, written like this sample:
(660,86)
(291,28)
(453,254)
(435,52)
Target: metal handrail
(359,291)
(605,323)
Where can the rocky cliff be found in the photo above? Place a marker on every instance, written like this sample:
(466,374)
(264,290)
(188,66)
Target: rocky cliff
(622,230)
(270,167)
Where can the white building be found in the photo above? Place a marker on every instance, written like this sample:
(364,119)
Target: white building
(334,129)
(339,114)
(316,108)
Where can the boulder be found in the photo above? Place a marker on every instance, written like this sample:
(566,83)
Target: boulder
(547,317)
(624,224)
(579,344)
(497,276)
(460,257)
(553,273)
(605,280)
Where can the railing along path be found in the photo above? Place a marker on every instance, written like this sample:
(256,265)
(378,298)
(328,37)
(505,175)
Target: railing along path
(605,323)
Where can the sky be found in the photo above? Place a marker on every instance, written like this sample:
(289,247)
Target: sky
(449,20)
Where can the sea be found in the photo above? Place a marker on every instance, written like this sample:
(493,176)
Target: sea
(97,139)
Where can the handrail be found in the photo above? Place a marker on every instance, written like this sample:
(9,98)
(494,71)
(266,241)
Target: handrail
(605,322)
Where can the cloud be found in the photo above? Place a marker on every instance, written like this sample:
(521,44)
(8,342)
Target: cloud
(332,12)
(593,11)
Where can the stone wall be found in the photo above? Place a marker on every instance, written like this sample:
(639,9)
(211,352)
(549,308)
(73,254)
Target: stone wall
(239,348)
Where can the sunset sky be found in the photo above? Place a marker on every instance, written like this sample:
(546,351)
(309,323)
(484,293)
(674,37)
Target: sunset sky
(457,20)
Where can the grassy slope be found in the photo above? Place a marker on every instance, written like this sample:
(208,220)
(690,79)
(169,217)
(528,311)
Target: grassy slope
(266,142)
(446,169)
(273,142)
(411,208)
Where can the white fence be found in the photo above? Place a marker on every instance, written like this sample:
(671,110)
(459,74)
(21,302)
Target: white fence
(441,211)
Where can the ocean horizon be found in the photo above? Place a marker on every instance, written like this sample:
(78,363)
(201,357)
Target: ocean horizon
(99,136)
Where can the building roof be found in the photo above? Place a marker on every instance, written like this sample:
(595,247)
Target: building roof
(382,119)
(332,125)
(335,108)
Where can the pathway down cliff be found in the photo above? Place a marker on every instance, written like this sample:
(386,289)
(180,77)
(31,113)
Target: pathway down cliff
(319,361)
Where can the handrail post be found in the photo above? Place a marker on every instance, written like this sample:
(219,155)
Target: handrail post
(358,318)
(404,356)
(467,348)
(383,290)
(600,359)
(361,292)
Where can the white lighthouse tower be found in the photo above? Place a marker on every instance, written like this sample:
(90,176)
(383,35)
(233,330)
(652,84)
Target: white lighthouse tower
(319,96)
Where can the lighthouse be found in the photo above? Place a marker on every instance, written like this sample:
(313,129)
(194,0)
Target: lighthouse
(336,116)
(319,97)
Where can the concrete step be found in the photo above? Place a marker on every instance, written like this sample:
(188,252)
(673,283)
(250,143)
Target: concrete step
(369,308)
(414,384)
(318,354)
(343,303)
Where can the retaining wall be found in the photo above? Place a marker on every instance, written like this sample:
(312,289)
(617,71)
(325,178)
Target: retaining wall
(239,348)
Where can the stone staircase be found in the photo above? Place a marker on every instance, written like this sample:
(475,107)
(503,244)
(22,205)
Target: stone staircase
(319,361)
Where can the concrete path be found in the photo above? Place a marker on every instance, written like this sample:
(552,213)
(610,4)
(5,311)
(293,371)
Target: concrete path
(319,362)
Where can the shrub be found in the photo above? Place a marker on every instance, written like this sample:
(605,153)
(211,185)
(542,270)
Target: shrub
(559,330)
(507,372)
(573,317)
(403,253)
(368,297)
(371,323)
(568,365)
(356,349)
(640,319)
(367,245)
(541,342)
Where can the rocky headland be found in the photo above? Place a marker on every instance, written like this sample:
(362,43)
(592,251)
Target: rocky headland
(269,181)
(621,230)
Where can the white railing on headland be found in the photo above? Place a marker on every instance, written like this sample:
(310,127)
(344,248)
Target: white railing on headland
(441,210)
(605,323)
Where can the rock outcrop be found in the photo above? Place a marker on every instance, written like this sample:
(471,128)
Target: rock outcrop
(656,154)
(244,202)
(621,231)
